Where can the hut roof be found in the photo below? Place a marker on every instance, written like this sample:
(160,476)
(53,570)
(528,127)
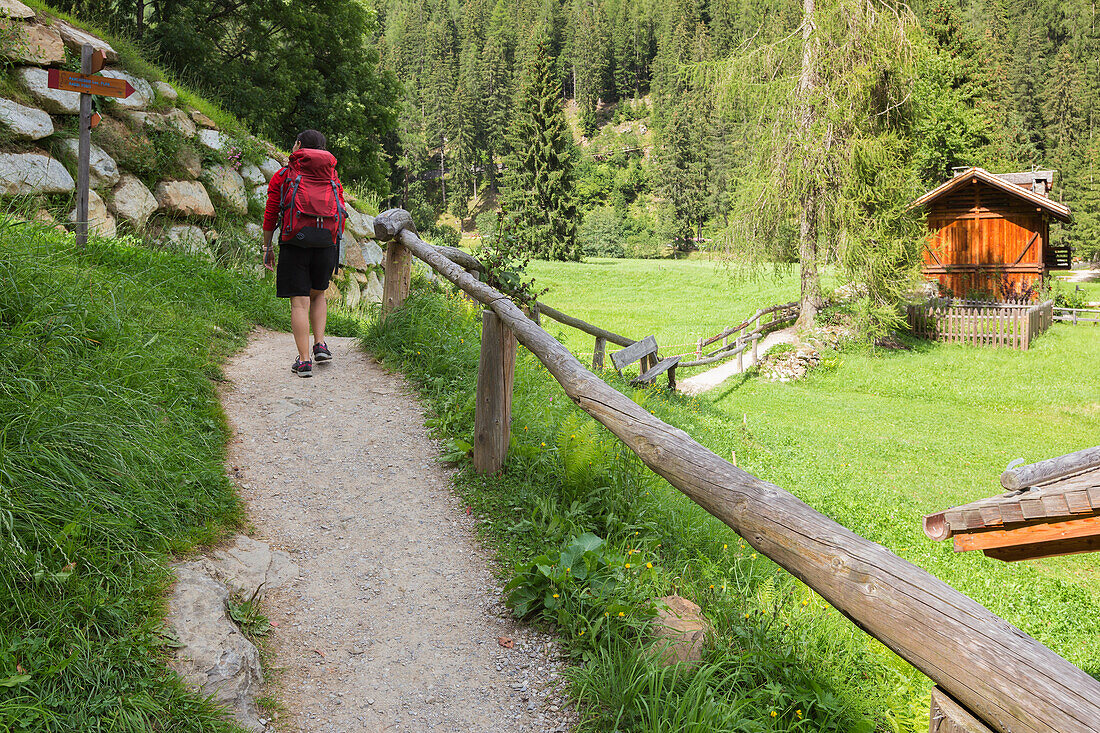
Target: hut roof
(1010,183)
(1052,508)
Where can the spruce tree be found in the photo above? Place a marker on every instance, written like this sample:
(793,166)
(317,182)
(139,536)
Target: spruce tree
(1085,200)
(538,179)
(496,59)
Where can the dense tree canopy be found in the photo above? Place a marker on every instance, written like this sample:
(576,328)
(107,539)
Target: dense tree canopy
(281,66)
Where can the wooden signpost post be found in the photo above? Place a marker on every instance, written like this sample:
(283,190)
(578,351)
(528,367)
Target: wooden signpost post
(86,85)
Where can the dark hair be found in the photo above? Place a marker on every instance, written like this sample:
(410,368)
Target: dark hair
(312,139)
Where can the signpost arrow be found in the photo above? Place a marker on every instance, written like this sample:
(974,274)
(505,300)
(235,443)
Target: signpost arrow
(103,86)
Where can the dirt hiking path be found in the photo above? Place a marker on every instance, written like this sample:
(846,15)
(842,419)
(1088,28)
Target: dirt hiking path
(394,624)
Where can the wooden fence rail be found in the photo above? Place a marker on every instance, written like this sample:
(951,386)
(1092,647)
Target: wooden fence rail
(785,312)
(1077,315)
(1002,676)
(1013,325)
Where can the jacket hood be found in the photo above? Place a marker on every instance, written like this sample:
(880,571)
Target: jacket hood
(311,161)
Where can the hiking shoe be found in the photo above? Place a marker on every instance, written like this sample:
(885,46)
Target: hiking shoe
(321,352)
(302,368)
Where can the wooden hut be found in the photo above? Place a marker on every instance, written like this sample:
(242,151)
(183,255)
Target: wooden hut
(989,233)
(1049,508)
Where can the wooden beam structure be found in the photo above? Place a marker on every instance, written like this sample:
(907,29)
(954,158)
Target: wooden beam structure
(1007,679)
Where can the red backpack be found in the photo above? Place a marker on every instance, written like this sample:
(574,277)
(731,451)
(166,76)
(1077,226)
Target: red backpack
(310,211)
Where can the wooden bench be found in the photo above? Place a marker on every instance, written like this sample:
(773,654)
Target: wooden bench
(651,367)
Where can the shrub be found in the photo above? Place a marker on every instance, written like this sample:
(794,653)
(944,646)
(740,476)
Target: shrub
(443,234)
(602,233)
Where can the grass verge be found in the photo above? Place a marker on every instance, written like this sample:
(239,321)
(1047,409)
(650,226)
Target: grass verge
(111,460)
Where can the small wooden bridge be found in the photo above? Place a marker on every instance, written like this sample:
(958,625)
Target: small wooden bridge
(989,675)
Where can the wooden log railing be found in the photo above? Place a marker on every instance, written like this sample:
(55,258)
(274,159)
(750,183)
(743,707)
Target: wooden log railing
(1018,478)
(997,673)
(602,336)
(777,312)
(781,315)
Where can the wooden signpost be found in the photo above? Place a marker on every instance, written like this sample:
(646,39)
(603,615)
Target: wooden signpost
(86,85)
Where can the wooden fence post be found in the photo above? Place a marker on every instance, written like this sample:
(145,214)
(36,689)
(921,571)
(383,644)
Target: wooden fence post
(597,355)
(493,409)
(398,277)
(84,146)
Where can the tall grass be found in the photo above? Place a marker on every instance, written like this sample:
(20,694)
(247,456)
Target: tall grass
(779,660)
(111,459)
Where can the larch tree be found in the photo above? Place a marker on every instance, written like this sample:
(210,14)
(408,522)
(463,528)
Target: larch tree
(826,113)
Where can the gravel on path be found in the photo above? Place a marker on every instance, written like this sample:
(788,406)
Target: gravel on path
(396,623)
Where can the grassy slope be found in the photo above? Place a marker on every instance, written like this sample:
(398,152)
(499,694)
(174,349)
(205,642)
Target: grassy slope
(678,301)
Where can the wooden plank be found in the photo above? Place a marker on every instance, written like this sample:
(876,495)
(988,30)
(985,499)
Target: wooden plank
(493,406)
(1052,548)
(656,370)
(1028,534)
(1011,512)
(991,515)
(1078,502)
(1022,477)
(1055,505)
(947,716)
(625,357)
(993,669)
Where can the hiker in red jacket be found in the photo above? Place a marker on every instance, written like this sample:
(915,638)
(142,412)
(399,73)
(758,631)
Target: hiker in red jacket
(305,201)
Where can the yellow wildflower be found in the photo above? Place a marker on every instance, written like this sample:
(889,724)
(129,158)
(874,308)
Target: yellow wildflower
(555,595)
(621,614)
(627,566)
(649,565)
(774,713)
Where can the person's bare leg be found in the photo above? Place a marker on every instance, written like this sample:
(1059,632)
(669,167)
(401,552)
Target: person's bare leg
(318,314)
(300,312)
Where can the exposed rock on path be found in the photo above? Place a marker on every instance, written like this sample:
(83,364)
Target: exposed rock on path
(395,623)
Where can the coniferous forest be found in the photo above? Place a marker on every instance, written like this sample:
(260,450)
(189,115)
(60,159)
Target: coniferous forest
(781,130)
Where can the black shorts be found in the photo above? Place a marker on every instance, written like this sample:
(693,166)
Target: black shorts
(301,269)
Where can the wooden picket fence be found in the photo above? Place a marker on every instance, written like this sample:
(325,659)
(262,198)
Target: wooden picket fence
(1012,324)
